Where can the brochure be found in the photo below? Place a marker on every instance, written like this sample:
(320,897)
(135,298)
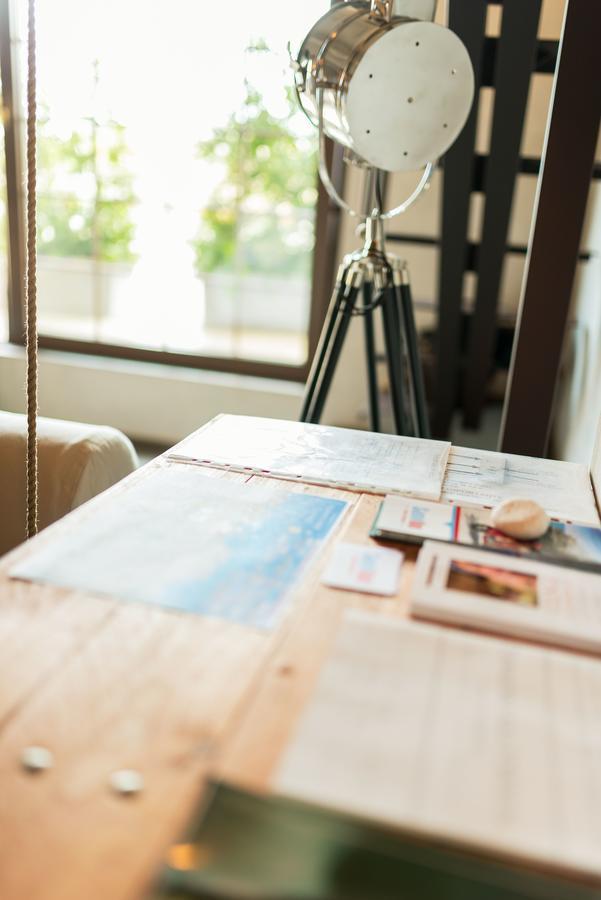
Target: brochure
(508,595)
(414,521)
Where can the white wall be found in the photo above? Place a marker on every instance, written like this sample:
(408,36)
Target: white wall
(578,403)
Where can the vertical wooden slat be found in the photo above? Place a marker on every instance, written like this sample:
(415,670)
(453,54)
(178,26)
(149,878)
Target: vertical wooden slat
(468,20)
(516,51)
(556,232)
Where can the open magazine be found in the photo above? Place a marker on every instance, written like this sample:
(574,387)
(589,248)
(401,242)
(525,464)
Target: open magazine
(415,521)
(507,595)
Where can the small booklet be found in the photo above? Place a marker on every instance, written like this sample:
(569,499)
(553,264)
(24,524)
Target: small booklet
(507,595)
(414,521)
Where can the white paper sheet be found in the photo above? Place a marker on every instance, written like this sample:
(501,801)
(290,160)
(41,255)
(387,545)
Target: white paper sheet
(485,478)
(508,595)
(377,463)
(370,570)
(481,741)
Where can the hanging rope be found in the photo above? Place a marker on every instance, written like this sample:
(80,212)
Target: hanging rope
(31,337)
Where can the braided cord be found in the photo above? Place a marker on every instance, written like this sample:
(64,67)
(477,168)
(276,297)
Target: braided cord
(31,338)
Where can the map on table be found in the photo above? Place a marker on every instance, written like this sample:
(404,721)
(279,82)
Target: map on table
(203,545)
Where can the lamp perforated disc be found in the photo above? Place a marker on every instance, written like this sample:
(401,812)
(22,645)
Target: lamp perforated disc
(409,96)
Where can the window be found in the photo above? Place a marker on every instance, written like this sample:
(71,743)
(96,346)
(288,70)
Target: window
(176,181)
(3,244)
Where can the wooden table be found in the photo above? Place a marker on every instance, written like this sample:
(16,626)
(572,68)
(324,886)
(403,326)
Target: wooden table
(106,685)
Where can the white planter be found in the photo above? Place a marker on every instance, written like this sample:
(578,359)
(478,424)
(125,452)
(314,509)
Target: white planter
(79,288)
(256,302)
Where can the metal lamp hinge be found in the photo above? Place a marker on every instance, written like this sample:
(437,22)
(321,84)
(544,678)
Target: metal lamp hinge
(381,10)
(300,72)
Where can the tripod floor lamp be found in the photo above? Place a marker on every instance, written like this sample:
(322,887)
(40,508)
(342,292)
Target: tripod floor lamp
(395,90)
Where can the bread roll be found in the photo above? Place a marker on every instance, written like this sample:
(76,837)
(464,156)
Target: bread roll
(521,519)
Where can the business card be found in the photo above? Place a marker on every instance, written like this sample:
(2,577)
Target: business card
(371,570)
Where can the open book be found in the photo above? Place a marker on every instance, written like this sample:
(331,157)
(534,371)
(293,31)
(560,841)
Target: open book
(506,595)
(459,740)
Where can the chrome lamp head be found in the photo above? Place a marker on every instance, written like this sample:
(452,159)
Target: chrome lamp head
(393,89)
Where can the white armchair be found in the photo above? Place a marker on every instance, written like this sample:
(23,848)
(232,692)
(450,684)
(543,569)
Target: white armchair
(76,462)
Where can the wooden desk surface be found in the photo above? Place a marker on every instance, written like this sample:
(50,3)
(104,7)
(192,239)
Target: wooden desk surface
(106,685)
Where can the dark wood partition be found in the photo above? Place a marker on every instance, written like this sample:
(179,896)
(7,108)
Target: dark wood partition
(554,244)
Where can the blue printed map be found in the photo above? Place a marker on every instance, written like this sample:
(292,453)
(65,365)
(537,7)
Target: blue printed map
(182,540)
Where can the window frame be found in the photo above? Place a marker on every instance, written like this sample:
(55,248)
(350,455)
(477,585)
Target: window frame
(324,264)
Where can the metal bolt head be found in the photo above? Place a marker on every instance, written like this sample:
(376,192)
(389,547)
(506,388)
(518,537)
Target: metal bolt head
(36,759)
(126,782)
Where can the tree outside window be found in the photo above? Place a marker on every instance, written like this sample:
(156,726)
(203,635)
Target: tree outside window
(260,217)
(86,193)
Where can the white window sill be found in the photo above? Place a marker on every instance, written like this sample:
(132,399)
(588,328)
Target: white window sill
(148,401)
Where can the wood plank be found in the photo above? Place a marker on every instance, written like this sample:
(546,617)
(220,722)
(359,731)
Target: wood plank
(560,206)
(41,626)
(106,686)
(152,692)
(256,742)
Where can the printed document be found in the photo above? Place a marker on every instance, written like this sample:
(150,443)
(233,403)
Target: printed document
(479,741)
(485,478)
(342,457)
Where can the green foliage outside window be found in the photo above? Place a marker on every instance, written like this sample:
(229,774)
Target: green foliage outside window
(260,217)
(85,192)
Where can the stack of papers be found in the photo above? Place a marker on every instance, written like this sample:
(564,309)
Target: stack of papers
(340,457)
(389,464)
(485,478)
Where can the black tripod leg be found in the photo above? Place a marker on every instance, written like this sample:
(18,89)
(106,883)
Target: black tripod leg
(392,339)
(407,391)
(322,347)
(339,333)
(370,355)
(417,375)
